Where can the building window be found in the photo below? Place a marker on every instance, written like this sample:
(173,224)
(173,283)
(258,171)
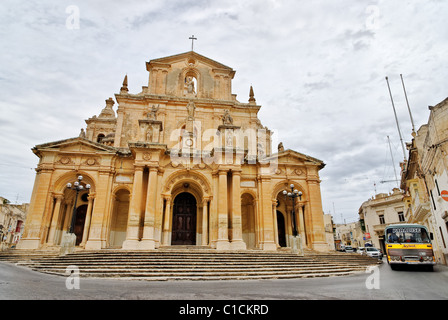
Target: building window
(437,185)
(382,219)
(433,202)
(401,216)
(443,239)
(100,137)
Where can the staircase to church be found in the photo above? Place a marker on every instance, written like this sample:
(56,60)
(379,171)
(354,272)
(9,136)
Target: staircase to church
(185,264)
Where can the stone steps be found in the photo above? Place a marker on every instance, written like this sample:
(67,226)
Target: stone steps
(187,264)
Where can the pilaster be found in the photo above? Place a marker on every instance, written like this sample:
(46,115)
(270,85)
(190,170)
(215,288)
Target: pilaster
(222,242)
(148,242)
(55,219)
(101,209)
(86,231)
(133,229)
(237,232)
(36,212)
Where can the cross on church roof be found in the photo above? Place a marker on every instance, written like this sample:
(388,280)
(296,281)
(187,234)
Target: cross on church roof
(192,40)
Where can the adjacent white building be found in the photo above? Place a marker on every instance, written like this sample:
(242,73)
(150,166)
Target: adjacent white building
(12,222)
(376,214)
(427,183)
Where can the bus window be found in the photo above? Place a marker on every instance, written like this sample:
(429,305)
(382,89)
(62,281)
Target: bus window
(407,235)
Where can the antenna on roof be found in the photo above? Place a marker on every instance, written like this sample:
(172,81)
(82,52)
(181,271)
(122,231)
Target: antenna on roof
(396,120)
(393,162)
(407,102)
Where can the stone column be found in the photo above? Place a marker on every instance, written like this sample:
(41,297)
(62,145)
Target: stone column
(237,228)
(266,214)
(85,234)
(222,242)
(119,126)
(167,223)
(301,214)
(55,219)
(159,210)
(316,225)
(101,211)
(148,242)
(68,212)
(274,217)
(32,235)
(258,224)
(204,241)
(133,229)
(213,219)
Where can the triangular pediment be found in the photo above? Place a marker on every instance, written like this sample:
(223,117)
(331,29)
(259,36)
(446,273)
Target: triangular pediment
(78,145)
(296,158)
(186,56)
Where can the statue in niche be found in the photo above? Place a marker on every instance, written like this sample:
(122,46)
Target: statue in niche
(149,135)
(260,150)
(152,114)
(189,83)
(227,118)
(190,109)
(229,140)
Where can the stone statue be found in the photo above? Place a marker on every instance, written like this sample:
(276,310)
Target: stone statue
(226,118)
(190,109)
(190,85)
(229,140)
(82,134)
(152,115)
(280,147)
(149,135)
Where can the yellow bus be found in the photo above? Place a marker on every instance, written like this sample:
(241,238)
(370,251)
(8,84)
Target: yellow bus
(408,244)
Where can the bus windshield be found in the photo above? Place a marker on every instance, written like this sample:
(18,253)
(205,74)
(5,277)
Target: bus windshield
(407,235)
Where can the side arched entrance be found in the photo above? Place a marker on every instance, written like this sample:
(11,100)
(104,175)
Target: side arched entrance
(281,229)
(78,229)
(184,220)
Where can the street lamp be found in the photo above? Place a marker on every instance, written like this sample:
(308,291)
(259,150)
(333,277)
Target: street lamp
(77,186)
(293,194)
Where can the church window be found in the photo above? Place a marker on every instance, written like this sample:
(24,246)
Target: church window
(100,137)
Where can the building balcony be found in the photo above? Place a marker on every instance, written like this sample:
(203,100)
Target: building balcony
(379,229)
(421,211)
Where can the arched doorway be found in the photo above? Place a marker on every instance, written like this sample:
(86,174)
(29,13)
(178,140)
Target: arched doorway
(281,229)
(81,212)
(184,220)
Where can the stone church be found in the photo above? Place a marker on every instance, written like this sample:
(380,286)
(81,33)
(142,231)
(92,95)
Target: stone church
(182,163)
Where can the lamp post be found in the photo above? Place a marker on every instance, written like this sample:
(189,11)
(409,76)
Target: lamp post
(77,186)
(293,194)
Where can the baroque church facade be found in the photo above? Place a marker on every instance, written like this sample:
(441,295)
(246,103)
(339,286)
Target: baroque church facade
(183,162)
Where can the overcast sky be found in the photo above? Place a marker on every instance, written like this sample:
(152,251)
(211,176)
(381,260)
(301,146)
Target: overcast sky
(317,68)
